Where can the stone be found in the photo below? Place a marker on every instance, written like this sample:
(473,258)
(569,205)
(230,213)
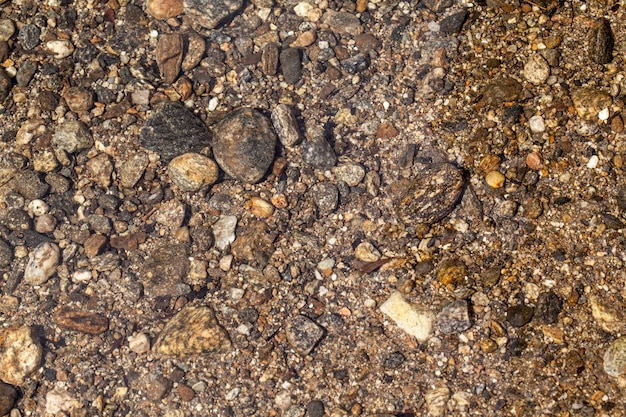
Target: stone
(132,169)
(28,37)
(615,358)
(519,315)
(164,271)
(224,231)
(366,252)
(286,125)
(500,91)
(343,23)
(158,388)
(42,263)
(417,322)
(537,69)
(303,334)
(8,397)
(454,318)
(194,50)
(20,353)
(192,171)
(244,145)
(172,130)
(169,56)
(79,100)
(60,401)
(315,408)
(326,197)
(101,167)
(28,183)
(270,54)
(495,179)
(432,195)
(25,73)
(437,400)
(192,331)
(7,29)
(6,254)
(452,24)
(453,274)
(259,207)
(601,42)
(186,393)
(588,102)
(367,42)
(212,13)
(355,64)
(548,307)
(5,85)
(316,151)
(171,214)
(72,136)
(609,316)
(351,174)
(60,48)
(94,244)
(291,65)
(305,39)
(254,245)
(165,9)
(80,320)
(536,124)
(15,219)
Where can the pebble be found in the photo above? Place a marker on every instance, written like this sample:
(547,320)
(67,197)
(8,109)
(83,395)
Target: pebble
(164,9)
(195,47)
(534,160)
(60,401)
(164,270)
(326,197)
(8,397)
(28,37)
(437,6)
(169,56)
(351,174)
(60,48)
(366,252)
(28,183)
(601,42)
(224,231)
(615,358)
(315,408)
(537,69)
(192,171)
(7,29)
(259,207)
(536,124)
(437,401)
(588,102)
(139,343)
(42,263)
(452,24)
(192,331)
(432,195)
(20,353)
(80,321)
(533,208)
(501,90)
(132,169)
(269,58)
(452,273)
(343,23)
(6,254)
(244,145)
(286,125)
(454,318)
(316,151)
(548,308)
(254,245)
(304,39)
(185,392)
(72,136)
(291,65)
(608,315)
(355,64)
(101,167)
(25,73)
(172,130)
(593,162)
(495,179)
(15,219)
(519,315)
(303,334)
(94,244)
(414,321)
(5,84)
(211,14)
(158,387)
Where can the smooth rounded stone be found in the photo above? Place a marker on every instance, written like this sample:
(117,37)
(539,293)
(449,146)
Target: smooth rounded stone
(169,56)
(195,47)
(536,124)
(366,252)
(259,207)
(72,136)
(8,397)
(15,219)
(25,73)
(316,150)
(132,169)
(343,23)
(519,315)
(6,254)
(28,37)
(453,273)
(192,171)
(303,334)
(59,400)
(615,358)
(454,318)
(164,270)
(416,321)
(601,42)
(172,130)
(193,331)
(315,408)
(356,64)
(244,145)
(212,13)
(432,194)
(437,400)
(548,307)
(588,102)
(351,174)
(501,90)
(80,320)
(164,9)
(286,125)
(609,316)
(291,65)
(42,263)
(505,209)
(537,69)
(5,84)
(254,245)
(7,29)
(224,231)
(452,24)
(495,179)
(326,197)
(20,353)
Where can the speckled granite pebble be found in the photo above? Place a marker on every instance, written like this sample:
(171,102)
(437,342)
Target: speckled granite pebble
(20,353)
(303,334)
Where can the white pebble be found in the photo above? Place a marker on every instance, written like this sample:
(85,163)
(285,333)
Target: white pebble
(82,275)
(38,207)
(302,9)
(224,231)
(416,322)
(433,26)
(604,114)
(537,124)
(593,162)
(60,48)
(139,343)
(42,263)
(213,103)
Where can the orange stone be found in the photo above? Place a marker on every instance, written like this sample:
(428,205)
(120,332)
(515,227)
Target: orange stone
(164,9)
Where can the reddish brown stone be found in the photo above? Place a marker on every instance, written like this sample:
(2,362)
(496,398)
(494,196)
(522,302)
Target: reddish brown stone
(386,131)
(186,393)
(80,321)
(94,244)
(164,9)
(128,242)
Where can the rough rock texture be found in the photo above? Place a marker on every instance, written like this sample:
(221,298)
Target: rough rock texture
(20,353)
(210,13)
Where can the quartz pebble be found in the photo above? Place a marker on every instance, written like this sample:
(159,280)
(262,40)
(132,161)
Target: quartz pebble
(60,400)
(139,343)
(351,174)
(286,125)
(615,358)
(42,263)
(366,252)
(224,231)
(303,334)
(20,353)
(415,321)
(536,124)
(192,171)
(537,69)
(60,48)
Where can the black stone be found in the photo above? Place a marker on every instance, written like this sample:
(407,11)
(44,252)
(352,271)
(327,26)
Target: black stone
(291,65)
(394,360)
(549,306)
(355,64)
(453,23)
(519,315)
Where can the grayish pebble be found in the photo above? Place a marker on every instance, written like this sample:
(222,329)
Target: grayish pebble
(286,125)
(303,334)
(72,136)
(326,197)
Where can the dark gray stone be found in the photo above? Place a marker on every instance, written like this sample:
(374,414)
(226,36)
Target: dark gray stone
(326,197)
(519,315)
(29,37)
(164,270)
(394,360)
(25,73)
(6,255)
(291,65)
(29,185)
(601,42)
(5,85)
(453,23)
(212,13)
(316,151)
(303,334)
(315,408)
(15,219)
(355,64)
(549,306)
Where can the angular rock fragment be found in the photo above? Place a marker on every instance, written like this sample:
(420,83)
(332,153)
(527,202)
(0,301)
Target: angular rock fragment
(286,125)
(316,151)
(601,42)
(60,400)
(80,321)
(212,13)
(414,321)
(343,23)
(8,397)
(169,56)
(193,331)
(20,354)
(303,334)
(132,169)
(72,136)
(454,318)
(254,245)
(291,65)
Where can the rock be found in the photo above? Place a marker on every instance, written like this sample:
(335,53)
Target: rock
(8,397)
(164,9)
(548,307)
(326,197)
(366,252)
(244,145)
(501,90)
(101,168)
(291,65)
(286,125)
(536,124)
(192,171)
(72,136)
(351,174)
(6,254)
(5,85)
(202,237)
(194,50)
(186,393)
(224,231)
(80,321)
(15,219)
(28,37)
(615,358)
(316,151)
(7,29)
(537,69)
(94,244)
(172,130)
(269,58)
(355,64)
(342,23)
(164,271)
(60,400)
(78,99)
(254,245)
(394,360)
(132,169)
(211,13)
(315,408)
(453,274)
(305,39)
(519,315)
(61,48)
(42,263)
(108,261)
(171,214)
(25,73)
(29,184)
(588,102)
(610,317)
(495,179)
(20,353)
(303,334)
(454,318)
(437,401)
(169,56)
(193,331)
(259,207)
(432,195)
(452,24)
(418,322)
(367,42)
(601,42)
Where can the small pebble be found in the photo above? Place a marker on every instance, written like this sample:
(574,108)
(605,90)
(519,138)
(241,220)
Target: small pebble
(593,162)
(224,231)
(80,320)
(588,102)
(20,353)
(286,125)
(519,315)
(351,174)
(60,401)
(7,29)
(454,318)
(165,9)
(8,396)
(192,171)
(42,264)
(615,358)
(259,207)
(534,161)
(537,69)
(452,273)
(72,136)
(303,334)
(316,151)
(60,48)
(537,124)
(495,179)
(366,252)
(414,321)
(139,343)
(326,197)
(601,42)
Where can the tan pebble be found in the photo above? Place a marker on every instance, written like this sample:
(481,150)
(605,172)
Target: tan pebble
(164,9)
(617,124)
(361,6)
(20,353)
(495,179)
(534,160)
(452,273)
(279,201)
(259,207)
(489,163)
(304,39)
(618,161)
(366,252)
(488,345)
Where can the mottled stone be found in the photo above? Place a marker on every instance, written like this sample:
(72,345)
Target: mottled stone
(548,307)
(42,263)
(8,396)
(20,353)
(437,400)
(254,245)
(326,197)
(607,314)
(224,231)
(351,174)
(601,42)
(588,102)
(454,318)
(303,334)
(212,13)
(244,145)
(164,9)
(366,252)
(453,23)
(94,244)
(28,37)
(80,320)
(101,168)
(286,125)
(132,169)
(537,70)
(417,322)
(169,56)
(343,23)
(500,91)
(269,58)
(452,273)
(6,254)
(5,85)
(7,29)
(355,64)
(72,136)
(171,214)
(194,50)
(519,315)
(78,99)
(192,171)
(615,358)
(60,401)
(193,331)
(291,65)
(29,184)
(60,48)
(164,271)
(316,151)
(25,73)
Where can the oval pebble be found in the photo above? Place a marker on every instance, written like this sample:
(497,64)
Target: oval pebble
(192,171)
(60,48)
(615,358)
(352,174)
(537,69)
(42,263)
